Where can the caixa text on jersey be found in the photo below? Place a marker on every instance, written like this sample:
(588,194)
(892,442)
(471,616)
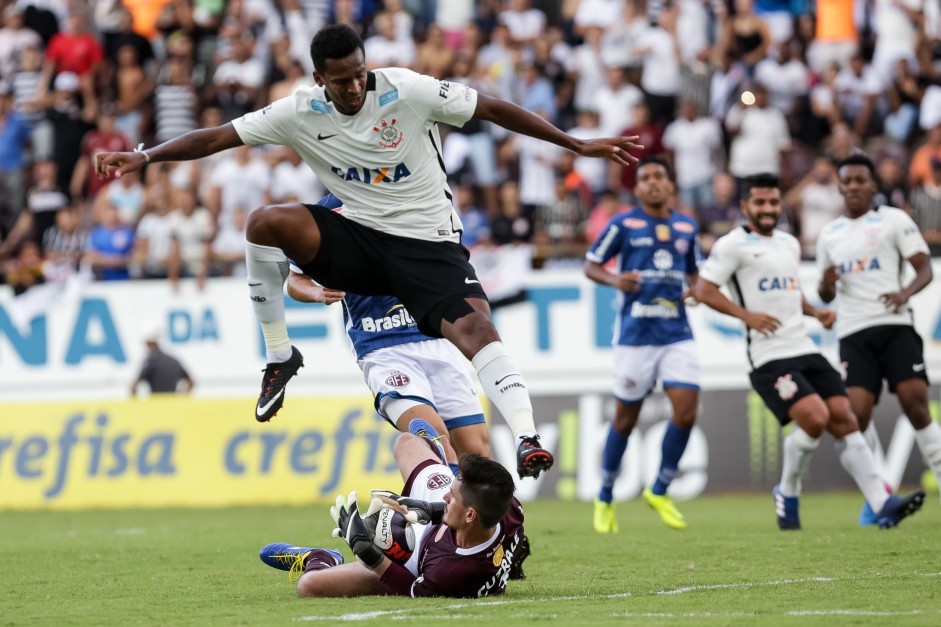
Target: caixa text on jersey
(372,176)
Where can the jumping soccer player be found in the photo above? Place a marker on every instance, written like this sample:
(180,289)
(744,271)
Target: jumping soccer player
(658,249)
(862,256)
(760,265)
(372,137)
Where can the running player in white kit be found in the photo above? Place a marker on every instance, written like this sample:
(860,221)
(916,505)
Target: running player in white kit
(862,257)
(760,265)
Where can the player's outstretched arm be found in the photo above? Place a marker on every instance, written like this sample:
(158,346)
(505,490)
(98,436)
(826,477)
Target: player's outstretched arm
(304,289)
(193,145)
(519,120)
(708,293)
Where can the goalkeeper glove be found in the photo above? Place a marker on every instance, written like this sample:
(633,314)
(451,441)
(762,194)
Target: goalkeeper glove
(352,529)
(414,510)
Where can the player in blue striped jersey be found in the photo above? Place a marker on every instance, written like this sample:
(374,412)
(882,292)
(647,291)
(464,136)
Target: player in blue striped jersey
(658,255)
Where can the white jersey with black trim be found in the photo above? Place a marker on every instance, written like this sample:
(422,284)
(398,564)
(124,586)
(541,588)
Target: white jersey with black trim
(383,162)
(763,275)
(870,255)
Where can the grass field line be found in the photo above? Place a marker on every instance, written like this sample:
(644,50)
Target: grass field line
(402,614)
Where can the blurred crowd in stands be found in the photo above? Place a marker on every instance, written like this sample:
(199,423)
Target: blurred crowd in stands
(725,88)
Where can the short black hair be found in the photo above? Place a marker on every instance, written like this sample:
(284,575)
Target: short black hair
(858,158)
(658,160)
(486,486)
(334,42)
(762,180)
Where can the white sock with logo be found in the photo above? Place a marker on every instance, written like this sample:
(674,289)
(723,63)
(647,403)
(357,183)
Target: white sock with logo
(858,461)
(267,270)
(929,443)
(504,386)
(799,449)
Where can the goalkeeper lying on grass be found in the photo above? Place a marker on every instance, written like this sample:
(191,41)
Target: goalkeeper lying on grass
(447,536)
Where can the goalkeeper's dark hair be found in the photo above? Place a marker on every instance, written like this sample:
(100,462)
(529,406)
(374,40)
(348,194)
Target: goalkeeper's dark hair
(486,486)
(858,158)
(762,180)
(334,42)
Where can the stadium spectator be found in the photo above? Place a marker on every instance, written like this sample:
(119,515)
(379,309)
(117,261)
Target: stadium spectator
(919,171)
(126,195)
(175,100)
(434,56)
(588,71)
(14,40)
(161,372)
(659,48)
(473,217)
(890,175)
(615,102)
(384,49)
(150,258)
(239,79)
(292,180)
(14,137)
(696,143)
(104,138)
(926,207)
(25,270)
(191,232)
(524,22)
(43,200)
(743,36)
(75,50)
(511,226)
(836,39)
(124,34)
(110,244)
(760,136)
(64,243)
(651,138)
(534,91)
(786,77)
(858,89)
(903,96)
(227,250)
(607,207)
(133,89)
(28,92)
(241,179)
(897,30)
(722,214)
(592,170)
(71,115)
(816,201)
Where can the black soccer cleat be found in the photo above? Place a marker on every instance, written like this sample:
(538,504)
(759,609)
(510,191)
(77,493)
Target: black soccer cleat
(522,552)
(276,377)
(532,459)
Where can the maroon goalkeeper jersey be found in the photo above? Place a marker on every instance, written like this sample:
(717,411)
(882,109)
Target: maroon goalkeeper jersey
(446,570)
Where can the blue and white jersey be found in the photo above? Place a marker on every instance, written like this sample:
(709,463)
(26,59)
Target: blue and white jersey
(664,251)
(374,322)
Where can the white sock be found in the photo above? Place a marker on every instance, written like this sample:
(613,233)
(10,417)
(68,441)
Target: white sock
(858,461)
(872,441)
(799,449)
(504,386)
(929,443)
(267,270)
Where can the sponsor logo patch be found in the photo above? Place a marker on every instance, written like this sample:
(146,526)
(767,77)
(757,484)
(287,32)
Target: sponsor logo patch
(389,96)
(319,106)
(683,227)
(663,232)
(634,223)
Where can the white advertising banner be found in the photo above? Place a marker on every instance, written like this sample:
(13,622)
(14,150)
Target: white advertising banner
(87,341)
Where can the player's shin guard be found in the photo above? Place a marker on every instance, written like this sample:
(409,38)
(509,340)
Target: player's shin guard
(857,459)
(674,444)
(267,270)
(611,457)
(929,443)
(799,449)
(504,386)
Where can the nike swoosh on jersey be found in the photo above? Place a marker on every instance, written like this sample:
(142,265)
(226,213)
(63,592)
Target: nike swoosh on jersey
(322,137)
(260,411)
(470,281)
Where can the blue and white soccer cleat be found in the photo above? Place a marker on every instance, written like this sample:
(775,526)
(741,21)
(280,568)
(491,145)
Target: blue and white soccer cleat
(899,507)
(423,429)
(292,558)
(787,510)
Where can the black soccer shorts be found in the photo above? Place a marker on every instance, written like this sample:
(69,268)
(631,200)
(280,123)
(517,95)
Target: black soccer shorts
(423,275)
(783,382)
(891,352)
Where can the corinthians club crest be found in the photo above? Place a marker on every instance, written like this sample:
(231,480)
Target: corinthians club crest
(389,135)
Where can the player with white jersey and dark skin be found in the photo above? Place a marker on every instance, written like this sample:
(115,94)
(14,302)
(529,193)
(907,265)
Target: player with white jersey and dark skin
(761,265)
(862,257)
(657,249)
(372,138)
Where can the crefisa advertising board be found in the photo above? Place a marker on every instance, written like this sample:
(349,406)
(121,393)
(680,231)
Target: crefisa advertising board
(71,437)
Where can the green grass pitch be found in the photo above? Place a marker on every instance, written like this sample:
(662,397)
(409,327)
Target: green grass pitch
(731,566)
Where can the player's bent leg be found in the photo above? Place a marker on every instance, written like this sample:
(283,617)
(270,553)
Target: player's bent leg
(419,410)
(625,417)
(345,580)
(862,402)
(410,451)
(470,439)
(684,401)
(290,228)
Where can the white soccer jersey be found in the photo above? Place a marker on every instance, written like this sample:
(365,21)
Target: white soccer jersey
(384,162)
(763,274)
(870,254)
